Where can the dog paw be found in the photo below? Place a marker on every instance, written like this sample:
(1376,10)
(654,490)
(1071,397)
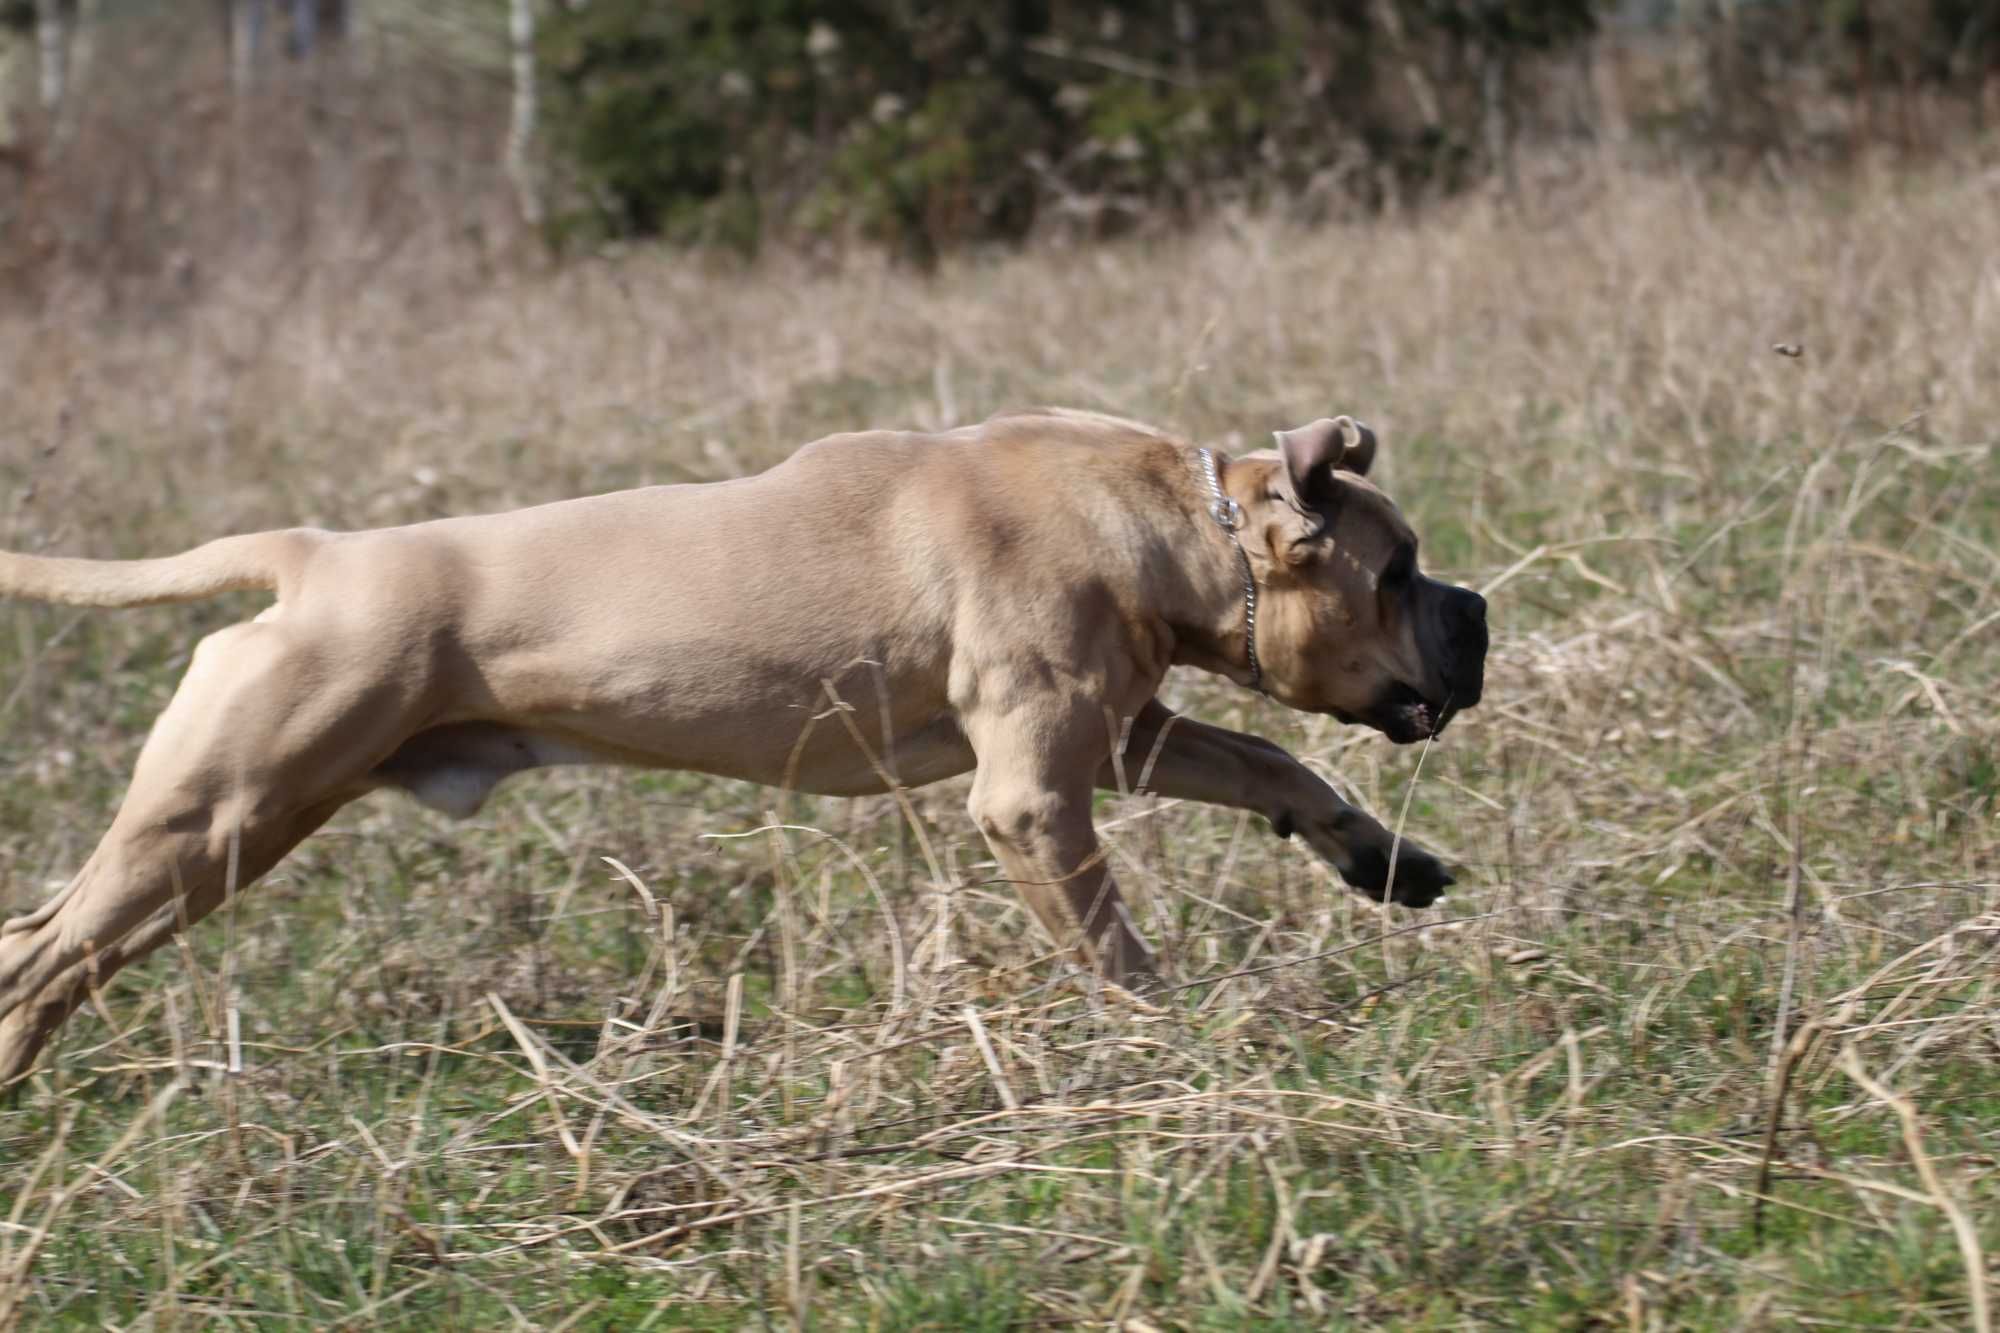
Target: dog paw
(1358,848)
(1420,878)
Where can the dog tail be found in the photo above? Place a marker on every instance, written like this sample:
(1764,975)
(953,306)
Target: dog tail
(266,560)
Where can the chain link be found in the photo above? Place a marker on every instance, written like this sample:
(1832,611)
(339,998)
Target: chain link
(1228,516)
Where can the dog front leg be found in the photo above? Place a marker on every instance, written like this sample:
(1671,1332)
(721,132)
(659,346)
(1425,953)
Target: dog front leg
(1169,755)
(1031,798)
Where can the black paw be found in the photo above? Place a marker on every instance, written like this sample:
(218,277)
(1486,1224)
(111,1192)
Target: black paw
(1420,877)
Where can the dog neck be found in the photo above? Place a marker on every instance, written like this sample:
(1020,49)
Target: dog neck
(1216,630)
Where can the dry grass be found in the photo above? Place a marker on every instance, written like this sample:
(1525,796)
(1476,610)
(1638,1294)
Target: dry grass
(1705,1038)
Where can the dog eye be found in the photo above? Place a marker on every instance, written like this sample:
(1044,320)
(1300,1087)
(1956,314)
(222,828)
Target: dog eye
(1402,566)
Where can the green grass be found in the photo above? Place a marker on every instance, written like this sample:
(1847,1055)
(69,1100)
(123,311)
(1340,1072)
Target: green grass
(1743,642)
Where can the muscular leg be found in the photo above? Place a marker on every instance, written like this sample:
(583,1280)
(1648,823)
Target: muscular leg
(1031,798)
(1216,766)
(27,1028)
(259,746)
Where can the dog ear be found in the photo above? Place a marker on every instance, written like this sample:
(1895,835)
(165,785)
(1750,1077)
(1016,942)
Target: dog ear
(1311,452)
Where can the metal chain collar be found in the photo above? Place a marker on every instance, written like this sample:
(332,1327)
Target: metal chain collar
(1228,516)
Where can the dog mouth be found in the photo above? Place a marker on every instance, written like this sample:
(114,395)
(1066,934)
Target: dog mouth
(1404,715)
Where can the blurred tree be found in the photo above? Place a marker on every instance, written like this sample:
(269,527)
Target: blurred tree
(51,51)
(246,39)
(1771,66)
(17,62)
(930,124)
(1493,37)
(305,23)
(302,34)
(521,128)
(955,120)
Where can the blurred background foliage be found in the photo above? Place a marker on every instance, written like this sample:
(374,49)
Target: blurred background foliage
(920,127)
(928,125)
(924,125)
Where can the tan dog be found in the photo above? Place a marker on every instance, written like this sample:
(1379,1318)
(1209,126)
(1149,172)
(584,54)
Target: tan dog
(1013,593)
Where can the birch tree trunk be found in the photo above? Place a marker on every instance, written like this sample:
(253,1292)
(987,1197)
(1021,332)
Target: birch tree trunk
(305,28)
(82,54)
(246,40)
(16,60)
(1496,92)
(83,44)
(50,50)
(361,29)
(521,132)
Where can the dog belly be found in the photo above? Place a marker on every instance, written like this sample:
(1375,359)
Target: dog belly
(837,765)
(454,768)
(811,751)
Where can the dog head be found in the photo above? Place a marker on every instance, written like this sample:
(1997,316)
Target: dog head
(1348,625)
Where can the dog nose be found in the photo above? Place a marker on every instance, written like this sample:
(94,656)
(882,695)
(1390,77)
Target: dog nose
(1466,673)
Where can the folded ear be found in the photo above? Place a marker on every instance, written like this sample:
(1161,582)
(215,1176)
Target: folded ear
(1311,452)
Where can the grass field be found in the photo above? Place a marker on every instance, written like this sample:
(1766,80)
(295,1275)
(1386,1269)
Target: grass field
(1706,1037)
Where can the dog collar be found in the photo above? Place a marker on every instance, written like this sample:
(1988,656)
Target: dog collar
(1228,516)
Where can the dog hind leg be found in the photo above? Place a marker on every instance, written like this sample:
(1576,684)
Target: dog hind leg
(29,1025)
(260,745)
